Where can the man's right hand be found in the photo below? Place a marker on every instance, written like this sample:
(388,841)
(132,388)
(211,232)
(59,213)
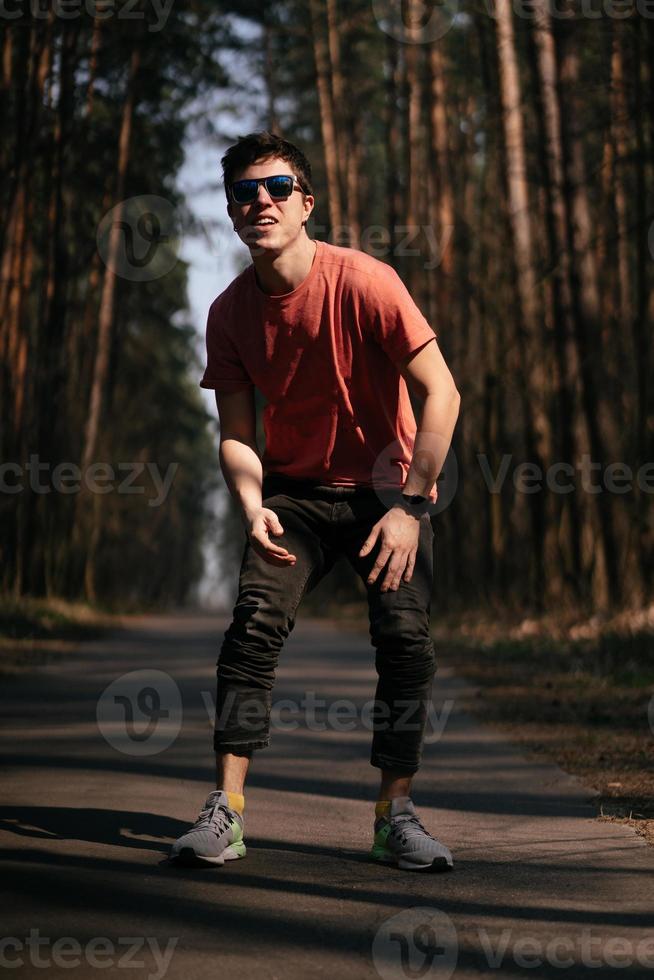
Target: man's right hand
(260,526)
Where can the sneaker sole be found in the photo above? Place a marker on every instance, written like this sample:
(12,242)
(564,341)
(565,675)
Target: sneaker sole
(384,857)
(188,858)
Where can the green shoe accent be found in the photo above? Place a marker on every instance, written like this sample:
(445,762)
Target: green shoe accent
(380,853)
(382,834)
(380,850)
(238,849)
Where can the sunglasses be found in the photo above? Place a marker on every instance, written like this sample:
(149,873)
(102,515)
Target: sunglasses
(279,187)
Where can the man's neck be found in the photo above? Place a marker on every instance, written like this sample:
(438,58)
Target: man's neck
(282,273)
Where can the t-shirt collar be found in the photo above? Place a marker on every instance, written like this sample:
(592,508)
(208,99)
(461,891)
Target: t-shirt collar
(284,298)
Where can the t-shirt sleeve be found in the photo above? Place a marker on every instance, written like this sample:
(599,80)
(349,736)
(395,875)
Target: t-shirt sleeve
(398,326)
(224,370)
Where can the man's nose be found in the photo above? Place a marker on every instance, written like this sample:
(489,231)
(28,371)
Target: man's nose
(267,199)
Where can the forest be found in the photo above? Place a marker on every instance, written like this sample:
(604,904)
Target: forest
(499,155)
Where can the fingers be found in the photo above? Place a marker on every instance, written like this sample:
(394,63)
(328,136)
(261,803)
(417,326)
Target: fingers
(394,573)
(273,524)
(281,561)
(410,565)
(400,567)
(380,561)
(274,549)
(274,554)
(369,542)
(399,543)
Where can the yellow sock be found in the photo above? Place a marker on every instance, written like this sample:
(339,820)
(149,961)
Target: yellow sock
(236,801)
(382,808)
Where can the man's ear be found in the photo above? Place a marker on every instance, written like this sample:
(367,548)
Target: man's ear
(308,199)
(229,208)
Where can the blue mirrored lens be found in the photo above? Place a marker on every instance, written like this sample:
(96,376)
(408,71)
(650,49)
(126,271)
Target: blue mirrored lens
(244,191)
(279,186)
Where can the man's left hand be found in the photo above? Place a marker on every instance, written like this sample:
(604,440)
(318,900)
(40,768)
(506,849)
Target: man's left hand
(398,532)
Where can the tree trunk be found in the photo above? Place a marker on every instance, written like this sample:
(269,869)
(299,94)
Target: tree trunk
(619,117)
(414,150)
(19,338)
(442,217)
(393,137)
(321,56)
(585,291)
(96,39)
(511,98)
(537,429)
(345,164)
(107,305)
(562,315)
(642,346)
(353,180)
(107,301)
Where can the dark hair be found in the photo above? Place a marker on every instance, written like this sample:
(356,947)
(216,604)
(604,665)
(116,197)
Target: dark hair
(256,146)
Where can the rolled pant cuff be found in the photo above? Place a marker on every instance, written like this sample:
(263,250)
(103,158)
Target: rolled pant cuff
(239,748)
(404,768)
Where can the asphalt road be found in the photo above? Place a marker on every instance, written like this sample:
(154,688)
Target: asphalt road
(103,768)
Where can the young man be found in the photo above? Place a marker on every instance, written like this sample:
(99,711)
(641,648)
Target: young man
(331,337)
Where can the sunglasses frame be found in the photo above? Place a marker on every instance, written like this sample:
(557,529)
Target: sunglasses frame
(262,180)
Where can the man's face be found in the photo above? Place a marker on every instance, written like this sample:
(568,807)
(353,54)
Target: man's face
(287,213)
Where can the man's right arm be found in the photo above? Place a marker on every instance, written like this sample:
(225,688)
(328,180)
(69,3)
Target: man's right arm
(239,454)
(241,467)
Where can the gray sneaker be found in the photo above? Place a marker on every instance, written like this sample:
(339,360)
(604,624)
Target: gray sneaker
(215,837)
(402,840)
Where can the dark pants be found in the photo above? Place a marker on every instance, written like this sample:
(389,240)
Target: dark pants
(320,523)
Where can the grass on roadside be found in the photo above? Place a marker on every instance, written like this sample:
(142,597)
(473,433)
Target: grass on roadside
(34,632)
(580,692)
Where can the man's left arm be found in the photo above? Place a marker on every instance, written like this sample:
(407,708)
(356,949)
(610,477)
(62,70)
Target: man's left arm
(429,378)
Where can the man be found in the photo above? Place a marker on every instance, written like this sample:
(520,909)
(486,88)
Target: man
(331,337)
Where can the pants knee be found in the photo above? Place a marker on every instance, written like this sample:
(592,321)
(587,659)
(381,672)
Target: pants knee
(401,630)
(406,659)
(252,643)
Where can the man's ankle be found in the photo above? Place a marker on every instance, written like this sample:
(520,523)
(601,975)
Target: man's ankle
(236,800)
(394,784)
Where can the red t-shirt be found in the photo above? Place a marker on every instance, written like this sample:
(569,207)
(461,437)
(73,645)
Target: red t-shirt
(324,356)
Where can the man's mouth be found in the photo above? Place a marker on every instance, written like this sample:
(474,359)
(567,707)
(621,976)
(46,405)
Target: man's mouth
(264,221)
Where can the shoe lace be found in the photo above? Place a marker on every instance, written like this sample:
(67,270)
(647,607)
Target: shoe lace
(406,826)
(215,816)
